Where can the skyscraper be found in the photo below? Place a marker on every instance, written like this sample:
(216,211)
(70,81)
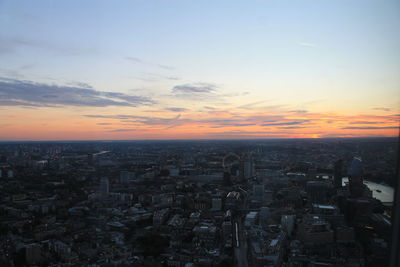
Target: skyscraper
(104,187)
(355,174)
(338,173)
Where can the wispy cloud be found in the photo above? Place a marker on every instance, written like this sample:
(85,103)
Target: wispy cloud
(197,92)
(27,93)
(153,77)
(307,44)
(11,45)
(165,67)
(383,109)
(292,127)
(300,111)
(365,122)
(175,109)
(197,88)
(143,120)
(370,128)
(285,123)
(141,61)
(252,105)
(134,59)
(125,130)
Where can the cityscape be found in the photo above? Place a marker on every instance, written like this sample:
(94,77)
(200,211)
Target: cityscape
(212,133)
(301,202)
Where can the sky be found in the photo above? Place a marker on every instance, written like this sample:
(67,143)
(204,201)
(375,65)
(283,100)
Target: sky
(144,69)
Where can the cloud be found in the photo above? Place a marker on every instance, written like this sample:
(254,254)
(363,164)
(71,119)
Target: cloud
(81,85)
(11,45)
(124,130)
(153,77)
(292,127)
(165,67)
(243,124)
(233,125)
(300,111)
(252,105)
(383,109)
(371,128)
(285,123)
(177,109)
(236,94)
(307,44)
(143,120)
(104,123)
(27,93)
(365,122)
(197,88)
(141,61)
(134,59)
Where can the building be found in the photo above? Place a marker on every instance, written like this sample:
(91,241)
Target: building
(319,191)
(160,216)
(251,218)
(355,174)
(125,177)
(258,192)
(104,187)
(33,253)
(314,230)
(216,204)
(287,222)
(232,200)
(337,177)
(246,167)
(206,234)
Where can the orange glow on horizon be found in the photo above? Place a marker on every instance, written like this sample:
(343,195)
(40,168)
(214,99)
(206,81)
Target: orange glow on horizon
(57,124)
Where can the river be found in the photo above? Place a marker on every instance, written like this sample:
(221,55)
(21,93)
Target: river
(386,193)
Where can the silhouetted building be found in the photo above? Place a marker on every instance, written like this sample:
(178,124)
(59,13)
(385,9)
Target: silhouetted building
(312,173)
(319,191)
(338,173)
(315,230)
(355,174)
(104,187)
(227,178)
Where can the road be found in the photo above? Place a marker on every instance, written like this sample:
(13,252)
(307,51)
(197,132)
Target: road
(240,244)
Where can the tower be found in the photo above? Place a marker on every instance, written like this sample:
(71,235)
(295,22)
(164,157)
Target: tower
(338,173)
(355,174)
(104,187)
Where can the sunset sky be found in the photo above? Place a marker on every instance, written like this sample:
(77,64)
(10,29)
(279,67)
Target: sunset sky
(102,70)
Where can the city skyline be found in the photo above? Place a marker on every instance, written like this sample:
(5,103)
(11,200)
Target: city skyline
(97,70)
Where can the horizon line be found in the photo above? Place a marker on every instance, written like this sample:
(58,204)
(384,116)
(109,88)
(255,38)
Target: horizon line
(199,139)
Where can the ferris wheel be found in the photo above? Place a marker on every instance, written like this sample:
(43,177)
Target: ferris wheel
(229,160)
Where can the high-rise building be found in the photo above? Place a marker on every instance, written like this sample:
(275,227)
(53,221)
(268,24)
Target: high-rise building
(90,158)
(355,174)
(246,168)
(227,178)
(125,176)
(33,253)
(312,173)
(216,204)
(288,222)
(338,173)
(104,187)
(319,191)
(258,192)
